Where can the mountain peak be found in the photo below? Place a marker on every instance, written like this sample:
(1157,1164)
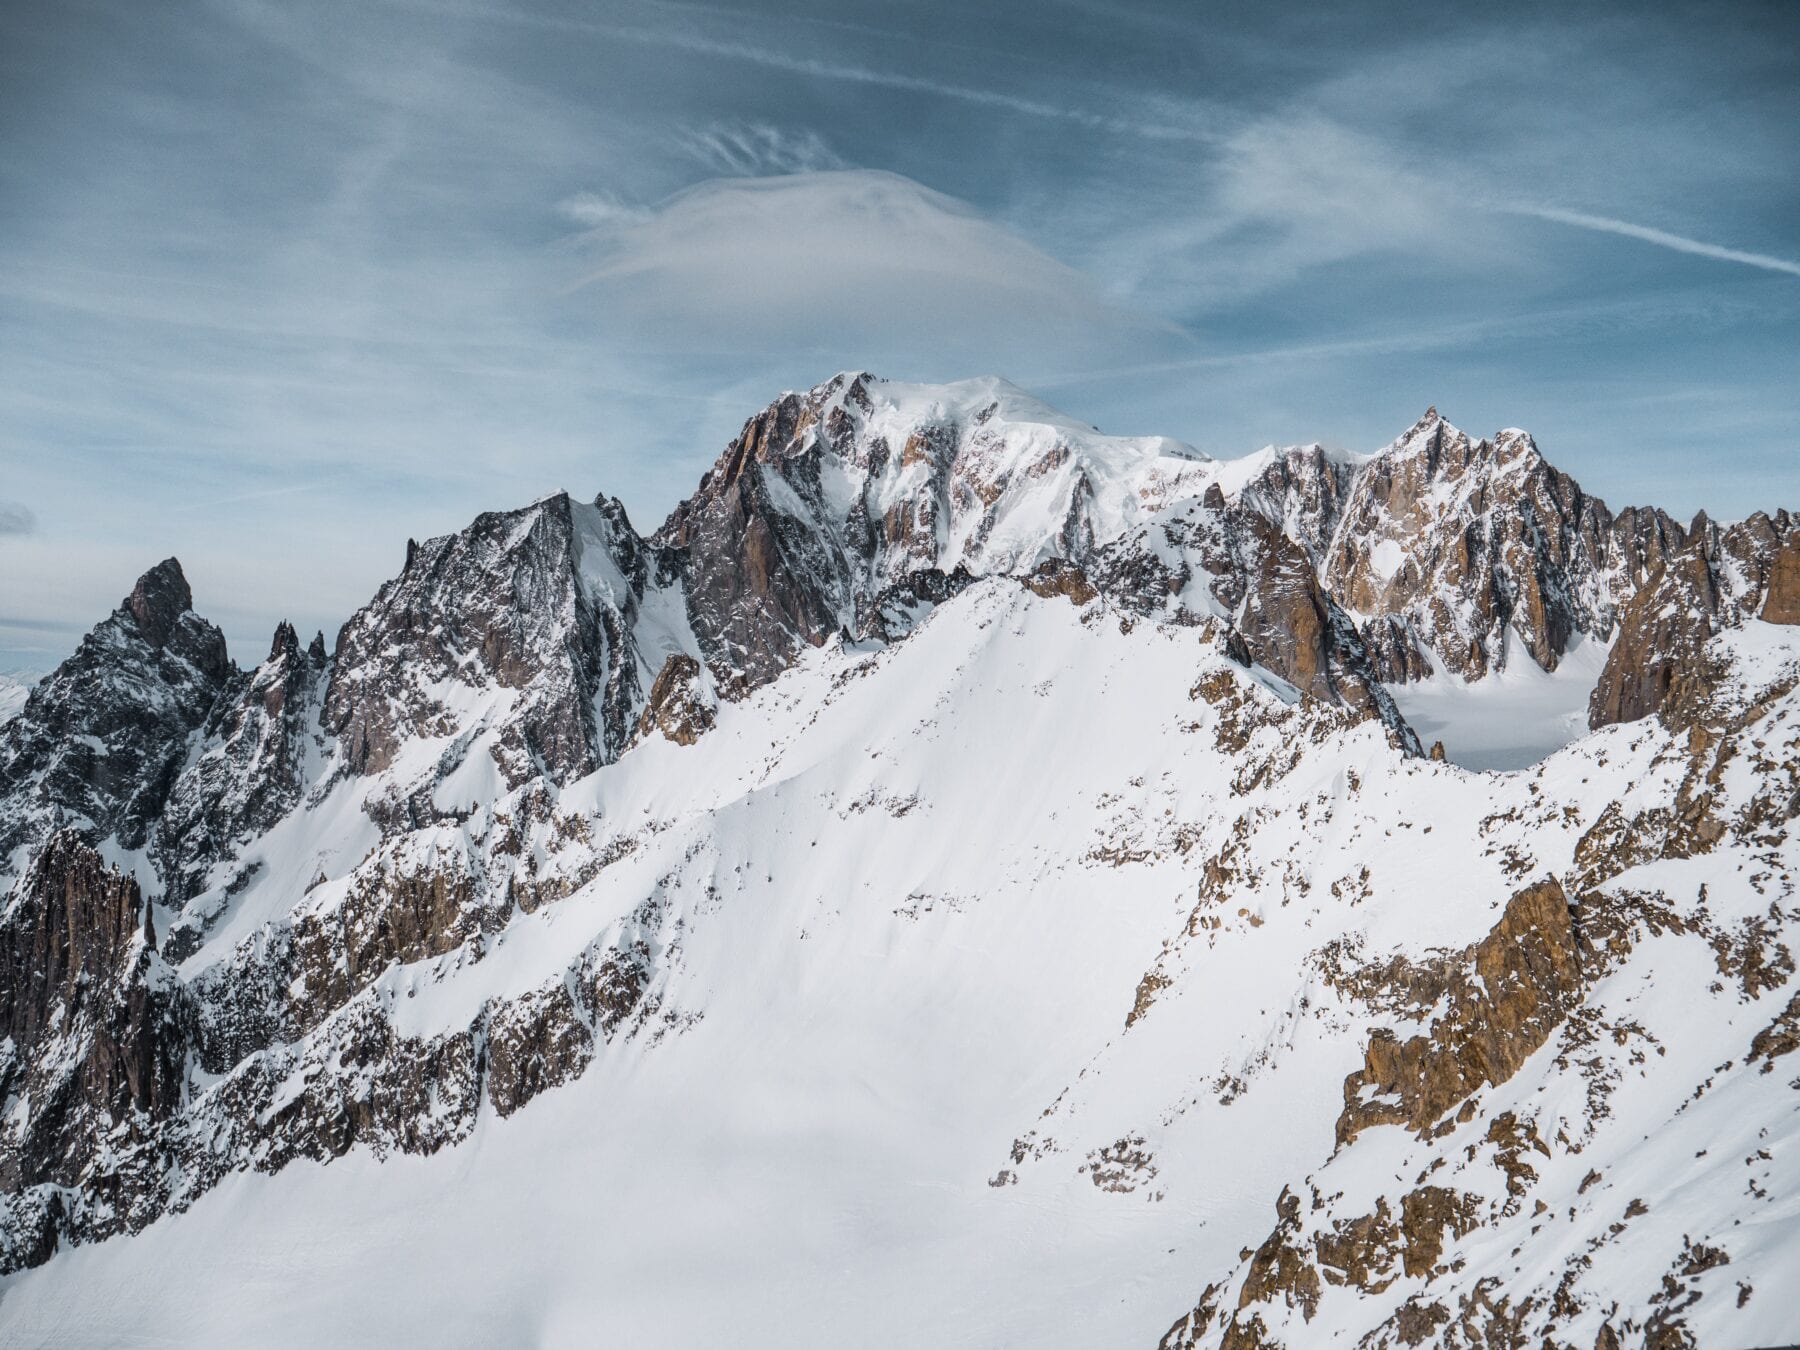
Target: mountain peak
(1433,429)
(286,643)
(158,601)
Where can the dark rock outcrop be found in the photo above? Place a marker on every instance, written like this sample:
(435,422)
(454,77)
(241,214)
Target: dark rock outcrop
(532,612)
(95,1031)
(250,770)
(101,740)
(681,706)
(762,581)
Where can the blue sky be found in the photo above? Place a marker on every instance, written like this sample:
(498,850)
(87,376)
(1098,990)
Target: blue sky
(281,285)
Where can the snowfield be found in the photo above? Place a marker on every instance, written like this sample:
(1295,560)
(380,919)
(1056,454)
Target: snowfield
(914,893)
(1514,718)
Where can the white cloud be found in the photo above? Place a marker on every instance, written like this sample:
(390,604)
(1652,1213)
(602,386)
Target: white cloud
(867,266)
(594,210)
(1302,191)
(1337,190)
(1287,195)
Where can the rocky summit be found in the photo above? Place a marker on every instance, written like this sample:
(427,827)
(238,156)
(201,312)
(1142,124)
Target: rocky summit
(962,879)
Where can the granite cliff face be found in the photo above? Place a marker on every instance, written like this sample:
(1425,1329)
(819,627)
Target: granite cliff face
(1721,577)
(95,1045)
(553,792)
(256,754)
(1452,552)
(525,625)
(831,509)
(99,743)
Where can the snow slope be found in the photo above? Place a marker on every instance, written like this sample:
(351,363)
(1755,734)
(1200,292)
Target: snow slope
(14,690)
(917,892)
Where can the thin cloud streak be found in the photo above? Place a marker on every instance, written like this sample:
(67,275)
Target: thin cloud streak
(242,497)
(1443,337)
(844,72)
(1680,243)
(755,149)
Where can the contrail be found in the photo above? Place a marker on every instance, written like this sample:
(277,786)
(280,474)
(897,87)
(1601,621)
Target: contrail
(828,70)
(1680,243)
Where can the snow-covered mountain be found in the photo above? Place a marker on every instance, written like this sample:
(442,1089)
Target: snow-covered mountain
(14,690)
(963,879)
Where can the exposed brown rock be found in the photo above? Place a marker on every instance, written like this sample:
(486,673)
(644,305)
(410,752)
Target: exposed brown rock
(1282,1267)
(1153,983)
(1489,538)
(1426,1215)
(758,588)
(1662,632)
(1191,1326)
(1367,1253)
(1057,577)
(1418,1319)
(1781,603)
(535,1043)
(1361,1251)
(1500,1000)
(678,705)
(1286,619)
(1780,1037)
(1717,580)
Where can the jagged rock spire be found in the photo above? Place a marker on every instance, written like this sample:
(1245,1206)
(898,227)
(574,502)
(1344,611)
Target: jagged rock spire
(286,643)
(158,601)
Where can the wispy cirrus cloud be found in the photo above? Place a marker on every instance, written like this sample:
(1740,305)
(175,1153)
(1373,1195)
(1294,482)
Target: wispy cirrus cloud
(837,70)
(756,149)
(1662,238)
(1125,124)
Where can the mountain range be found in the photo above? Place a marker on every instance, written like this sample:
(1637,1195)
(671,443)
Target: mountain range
(962,879)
